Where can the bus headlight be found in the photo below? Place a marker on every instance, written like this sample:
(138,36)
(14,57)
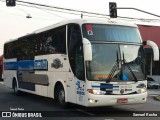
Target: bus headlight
(96,92)
(142,90)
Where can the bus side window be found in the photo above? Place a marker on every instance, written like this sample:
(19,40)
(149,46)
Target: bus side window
(7,51)
(59,40)
(75,51)
(54,41)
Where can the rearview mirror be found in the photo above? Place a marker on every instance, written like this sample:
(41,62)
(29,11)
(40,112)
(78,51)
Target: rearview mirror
(87,50)
(155,49)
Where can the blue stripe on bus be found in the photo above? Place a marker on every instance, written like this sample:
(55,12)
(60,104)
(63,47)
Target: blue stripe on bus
(106,86)
(27,64)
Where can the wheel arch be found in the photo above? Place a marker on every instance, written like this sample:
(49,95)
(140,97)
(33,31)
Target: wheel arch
(57,84)
(14,80)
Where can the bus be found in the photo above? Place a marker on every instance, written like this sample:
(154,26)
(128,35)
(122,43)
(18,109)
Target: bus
(89,62)
(1,68)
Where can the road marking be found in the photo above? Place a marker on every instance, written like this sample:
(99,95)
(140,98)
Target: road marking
(91,114)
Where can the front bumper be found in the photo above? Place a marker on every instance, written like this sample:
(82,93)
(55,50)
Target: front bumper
(110,100)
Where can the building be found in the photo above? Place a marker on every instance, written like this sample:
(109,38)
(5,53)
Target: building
(151,32)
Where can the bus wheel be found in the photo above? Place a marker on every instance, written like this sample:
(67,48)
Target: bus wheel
(15,88)
(61,97)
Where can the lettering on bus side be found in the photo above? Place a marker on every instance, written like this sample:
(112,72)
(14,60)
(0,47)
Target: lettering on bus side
(80,90)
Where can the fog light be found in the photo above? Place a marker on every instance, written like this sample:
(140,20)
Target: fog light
(92,101)
(144,99)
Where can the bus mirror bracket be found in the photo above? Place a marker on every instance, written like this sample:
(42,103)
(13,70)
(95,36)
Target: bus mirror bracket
(87,50)
(154,47)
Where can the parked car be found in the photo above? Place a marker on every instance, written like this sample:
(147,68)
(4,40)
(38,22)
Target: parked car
(151,83)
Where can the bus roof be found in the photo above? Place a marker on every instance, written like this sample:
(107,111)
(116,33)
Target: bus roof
(80,22)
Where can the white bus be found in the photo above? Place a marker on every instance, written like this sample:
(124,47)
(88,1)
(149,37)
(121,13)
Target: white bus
(82,61)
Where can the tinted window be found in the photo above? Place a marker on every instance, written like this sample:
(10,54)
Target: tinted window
(48,42)
(97,32)
(21,48)
(75,51)
(51,42)
(7,50)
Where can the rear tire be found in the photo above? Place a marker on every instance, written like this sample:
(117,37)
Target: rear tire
(15,88)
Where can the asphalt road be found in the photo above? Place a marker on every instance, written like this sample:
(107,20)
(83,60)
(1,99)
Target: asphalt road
(33,103)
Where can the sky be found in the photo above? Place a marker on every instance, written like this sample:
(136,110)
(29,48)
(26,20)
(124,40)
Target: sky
(13,21)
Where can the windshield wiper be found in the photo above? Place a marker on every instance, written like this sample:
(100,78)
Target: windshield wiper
(129,68)
(114,68)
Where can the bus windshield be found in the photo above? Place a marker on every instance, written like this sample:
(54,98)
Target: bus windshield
(112,61)
(114,33)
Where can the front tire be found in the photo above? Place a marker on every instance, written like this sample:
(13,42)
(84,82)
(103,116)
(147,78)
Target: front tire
(60,96)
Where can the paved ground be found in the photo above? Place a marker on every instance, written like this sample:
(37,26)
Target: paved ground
(154,91)
(30,102)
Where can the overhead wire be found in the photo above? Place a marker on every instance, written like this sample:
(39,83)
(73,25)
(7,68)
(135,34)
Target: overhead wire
(28,13)
(11,13)
(74,12)
(43,5)
(50,9)
(67,9)
(46,11)
(25,16)
(60,11)
(42,9)
(47,8)
(22,9)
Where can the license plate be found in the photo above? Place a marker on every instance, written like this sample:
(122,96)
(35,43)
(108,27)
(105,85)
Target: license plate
(122,100)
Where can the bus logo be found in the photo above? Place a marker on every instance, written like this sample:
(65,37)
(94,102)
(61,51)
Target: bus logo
(57,63)
(122,91)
